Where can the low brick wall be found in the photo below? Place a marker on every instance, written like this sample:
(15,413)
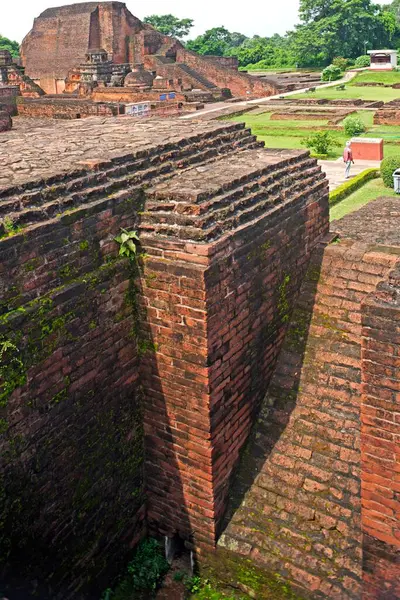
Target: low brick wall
(60,108)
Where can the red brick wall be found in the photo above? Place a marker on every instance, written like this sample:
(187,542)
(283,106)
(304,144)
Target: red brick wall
(214,314)
(125,95)
(70,410)
(380,436)
(60,38)
(238,83)
(298,488)
(64,109)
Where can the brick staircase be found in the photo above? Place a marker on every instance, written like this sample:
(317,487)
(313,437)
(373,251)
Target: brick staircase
(42,200)
(295,504)
(230,201)
(197,76)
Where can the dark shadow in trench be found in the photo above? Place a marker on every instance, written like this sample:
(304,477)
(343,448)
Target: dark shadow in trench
(281,397)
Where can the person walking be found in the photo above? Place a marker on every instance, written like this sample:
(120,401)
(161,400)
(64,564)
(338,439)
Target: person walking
(348,159)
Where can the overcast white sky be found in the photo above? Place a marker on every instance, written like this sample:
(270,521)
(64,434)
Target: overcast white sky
(262,17)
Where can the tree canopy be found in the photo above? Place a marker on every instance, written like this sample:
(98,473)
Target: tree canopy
(170,25)
(327,29)
(6,44)
(332,28)
(216,41)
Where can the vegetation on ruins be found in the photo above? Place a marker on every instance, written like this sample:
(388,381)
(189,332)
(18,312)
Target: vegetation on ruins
(388,166)
(353,125)
(321,142)
(362,61)
(143,574)
(170,25)
(350,186)
(331,73)
(127,241)
(373,189)
(10,45)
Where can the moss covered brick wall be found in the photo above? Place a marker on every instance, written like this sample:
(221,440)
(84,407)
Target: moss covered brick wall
(71,477)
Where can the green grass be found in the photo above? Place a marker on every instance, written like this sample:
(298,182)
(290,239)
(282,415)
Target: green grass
(289,134)
(388,78)
(209,593)
(362,93)
(370,191)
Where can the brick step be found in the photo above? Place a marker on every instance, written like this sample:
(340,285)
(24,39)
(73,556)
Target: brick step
(252,166)
(59,183)
(253,184)
(22,215)
(231,204)
(210,232)
(209,85)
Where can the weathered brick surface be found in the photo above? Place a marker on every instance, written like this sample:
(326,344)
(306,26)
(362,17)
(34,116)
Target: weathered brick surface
(71,411)
(380,437)
(84,338)
(50,49)
(296,506)
(240,84)
(61,36)
(217,317)
(71,403)
(381,568)
(57,108)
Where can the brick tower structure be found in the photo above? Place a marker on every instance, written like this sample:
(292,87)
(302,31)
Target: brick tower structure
(60,38)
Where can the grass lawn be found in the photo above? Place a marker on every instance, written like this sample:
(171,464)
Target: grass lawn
(351,91)
(368,192)
(388,78)
(289,134)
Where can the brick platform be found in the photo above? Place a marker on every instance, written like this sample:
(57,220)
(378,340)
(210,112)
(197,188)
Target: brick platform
(120,378)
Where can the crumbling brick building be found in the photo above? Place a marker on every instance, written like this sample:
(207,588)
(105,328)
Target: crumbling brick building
(130,385)
(57,44)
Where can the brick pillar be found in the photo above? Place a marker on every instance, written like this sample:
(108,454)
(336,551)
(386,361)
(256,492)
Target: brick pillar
(380,441)
(226,247)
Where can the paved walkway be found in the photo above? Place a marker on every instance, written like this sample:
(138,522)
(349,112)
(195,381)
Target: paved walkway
(334,170)
(238,105)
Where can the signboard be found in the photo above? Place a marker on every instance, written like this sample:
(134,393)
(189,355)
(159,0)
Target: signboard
(138,110)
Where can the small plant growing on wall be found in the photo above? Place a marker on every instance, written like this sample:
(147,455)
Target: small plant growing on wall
(127,241)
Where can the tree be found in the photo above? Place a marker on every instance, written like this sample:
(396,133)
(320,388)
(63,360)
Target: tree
(170,25)
(332,28)
(6,44)
(213,42)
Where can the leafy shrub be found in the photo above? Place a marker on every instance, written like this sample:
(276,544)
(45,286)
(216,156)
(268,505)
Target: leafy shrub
(351,186)
(148,566)
(341,62)
(321,142)
(362,61)
(353,126)
(331,73)
(144,573)
(388,166)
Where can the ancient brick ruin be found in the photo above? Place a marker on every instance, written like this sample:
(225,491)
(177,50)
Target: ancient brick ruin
(130,388)
(94,45)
